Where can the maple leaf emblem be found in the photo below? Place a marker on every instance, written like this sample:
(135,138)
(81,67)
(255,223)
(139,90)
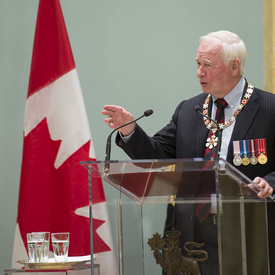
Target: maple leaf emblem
(49,197)
(157,242)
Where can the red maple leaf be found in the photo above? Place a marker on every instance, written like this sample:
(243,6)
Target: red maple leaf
(48,196)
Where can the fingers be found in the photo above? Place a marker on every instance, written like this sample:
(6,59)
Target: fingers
(253,187)
(111,109)
(266,189)
(113,114)
(118,116)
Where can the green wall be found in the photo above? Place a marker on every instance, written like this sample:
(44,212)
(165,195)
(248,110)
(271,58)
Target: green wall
(135,53)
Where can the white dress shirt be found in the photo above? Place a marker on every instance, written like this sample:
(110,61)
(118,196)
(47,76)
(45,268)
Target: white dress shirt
(233,100)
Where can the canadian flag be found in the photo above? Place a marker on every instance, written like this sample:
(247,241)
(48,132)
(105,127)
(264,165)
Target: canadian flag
(54,193)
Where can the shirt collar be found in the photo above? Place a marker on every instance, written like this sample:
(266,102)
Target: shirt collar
(235,95)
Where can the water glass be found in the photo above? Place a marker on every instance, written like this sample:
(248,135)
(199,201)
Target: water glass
(45,248)
(35,246)
(60,243)
(45,252)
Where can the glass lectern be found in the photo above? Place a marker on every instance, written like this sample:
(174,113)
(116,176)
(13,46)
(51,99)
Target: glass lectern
(184,216)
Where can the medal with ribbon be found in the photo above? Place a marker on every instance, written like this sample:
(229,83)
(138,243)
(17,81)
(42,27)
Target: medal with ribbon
(245,152)
(253,150)
(237,153)
(261,149)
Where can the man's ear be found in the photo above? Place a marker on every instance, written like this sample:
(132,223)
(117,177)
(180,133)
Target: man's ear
(236,67)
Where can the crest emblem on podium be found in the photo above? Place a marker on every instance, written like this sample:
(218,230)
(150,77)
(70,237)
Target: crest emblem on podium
(167,253)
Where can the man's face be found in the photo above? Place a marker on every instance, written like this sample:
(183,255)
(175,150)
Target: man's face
(215,77)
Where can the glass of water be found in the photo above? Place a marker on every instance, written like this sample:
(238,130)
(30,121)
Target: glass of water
(45,251)
(60,243)
(45,248)
(36,243)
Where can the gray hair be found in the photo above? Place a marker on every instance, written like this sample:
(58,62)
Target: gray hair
(233,46)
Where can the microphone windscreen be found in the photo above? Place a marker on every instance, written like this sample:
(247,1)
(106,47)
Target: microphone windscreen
(148,112)
(197,108)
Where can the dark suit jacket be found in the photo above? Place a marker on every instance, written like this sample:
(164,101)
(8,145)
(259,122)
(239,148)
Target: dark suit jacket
(186,134)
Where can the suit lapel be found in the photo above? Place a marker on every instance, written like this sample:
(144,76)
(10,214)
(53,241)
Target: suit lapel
(243,122)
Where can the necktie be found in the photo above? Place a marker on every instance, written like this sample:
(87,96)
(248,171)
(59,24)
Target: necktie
(219,118)
(203,209)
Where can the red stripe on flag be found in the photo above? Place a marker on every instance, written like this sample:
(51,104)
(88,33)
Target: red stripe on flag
(52,55)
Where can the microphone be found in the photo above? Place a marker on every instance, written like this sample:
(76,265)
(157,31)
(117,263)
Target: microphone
(108,144)
(218,148)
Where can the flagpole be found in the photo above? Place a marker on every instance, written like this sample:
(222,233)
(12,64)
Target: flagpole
(91,218)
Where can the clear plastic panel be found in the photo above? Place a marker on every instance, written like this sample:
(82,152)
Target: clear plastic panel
(154,196)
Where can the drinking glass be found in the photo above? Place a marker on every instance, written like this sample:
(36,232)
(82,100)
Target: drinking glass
(36,242)
(45,249)
(60,243)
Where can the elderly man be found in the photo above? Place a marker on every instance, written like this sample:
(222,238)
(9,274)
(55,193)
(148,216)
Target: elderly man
(246,115)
